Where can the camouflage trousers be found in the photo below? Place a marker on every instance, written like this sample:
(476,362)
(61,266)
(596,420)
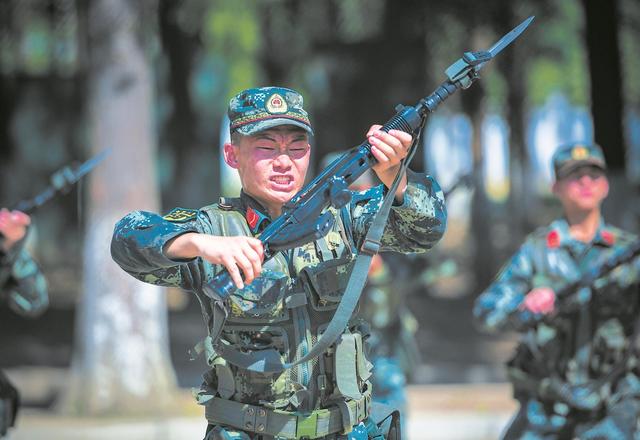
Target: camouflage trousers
(538,420)
(363,431)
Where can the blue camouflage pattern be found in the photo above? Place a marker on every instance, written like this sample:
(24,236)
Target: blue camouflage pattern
(563,365)
(22,285)
(270,311)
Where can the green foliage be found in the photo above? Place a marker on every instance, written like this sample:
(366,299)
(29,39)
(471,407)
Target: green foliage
(359,19)
(630,50)
(545,77)
(496,90)
(231,31)
(562,63)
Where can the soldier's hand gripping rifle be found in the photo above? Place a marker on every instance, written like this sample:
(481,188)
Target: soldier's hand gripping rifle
(306,216)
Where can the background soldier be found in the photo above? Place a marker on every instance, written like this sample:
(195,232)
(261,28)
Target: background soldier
(23,287)
(286,304)
(575,373)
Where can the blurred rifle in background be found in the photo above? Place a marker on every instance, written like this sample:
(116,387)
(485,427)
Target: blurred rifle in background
(568,295)
(61,182)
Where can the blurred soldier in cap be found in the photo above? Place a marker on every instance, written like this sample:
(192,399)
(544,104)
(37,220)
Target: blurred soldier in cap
(575,373)
(287,303)
(23,287)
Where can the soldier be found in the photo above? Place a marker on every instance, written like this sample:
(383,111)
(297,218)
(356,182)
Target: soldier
(286,304)
(23,287)
(575,373)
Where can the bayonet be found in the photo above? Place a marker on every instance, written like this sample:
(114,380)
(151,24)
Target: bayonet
(61,182)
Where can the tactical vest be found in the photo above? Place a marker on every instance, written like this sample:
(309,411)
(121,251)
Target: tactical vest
(287,308)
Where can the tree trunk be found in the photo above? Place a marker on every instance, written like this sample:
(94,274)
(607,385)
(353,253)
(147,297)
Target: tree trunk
(606,81)
(121,363)
(601,17)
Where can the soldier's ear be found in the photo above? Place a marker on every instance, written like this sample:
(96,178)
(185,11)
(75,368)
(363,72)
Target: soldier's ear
(231,155)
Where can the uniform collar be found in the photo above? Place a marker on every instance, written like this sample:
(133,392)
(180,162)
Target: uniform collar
(255,214)
(559,235)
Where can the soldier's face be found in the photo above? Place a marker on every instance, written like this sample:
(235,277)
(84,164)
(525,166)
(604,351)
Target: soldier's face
(583,189)
(272,164)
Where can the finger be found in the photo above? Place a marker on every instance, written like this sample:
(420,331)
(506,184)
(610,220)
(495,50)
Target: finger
(382,146)
(379,155)
(21,218)
(372,129)
(234,272)
(405,138)
(257,246)
(247,268)
(255,260)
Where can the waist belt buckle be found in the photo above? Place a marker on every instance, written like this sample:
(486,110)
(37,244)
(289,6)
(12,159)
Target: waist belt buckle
(306,425)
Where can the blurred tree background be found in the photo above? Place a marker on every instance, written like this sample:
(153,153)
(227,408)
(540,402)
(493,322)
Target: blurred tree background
(573,75)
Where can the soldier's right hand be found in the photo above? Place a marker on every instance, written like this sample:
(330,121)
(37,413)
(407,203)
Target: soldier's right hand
(241,256)
(13,227)
(540,300)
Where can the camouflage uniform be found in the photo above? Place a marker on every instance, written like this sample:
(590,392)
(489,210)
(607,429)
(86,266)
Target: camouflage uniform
(24,288)
(560,358)
(289,305)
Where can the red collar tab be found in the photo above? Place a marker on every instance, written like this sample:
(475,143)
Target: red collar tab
(608,237)
(553,239)
(254,219)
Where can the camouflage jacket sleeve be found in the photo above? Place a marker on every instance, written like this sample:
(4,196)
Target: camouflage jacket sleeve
(413,226)
(22,283)
(626,275)
(497,308)
(137,247)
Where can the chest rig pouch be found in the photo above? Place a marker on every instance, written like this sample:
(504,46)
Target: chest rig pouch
(262,300)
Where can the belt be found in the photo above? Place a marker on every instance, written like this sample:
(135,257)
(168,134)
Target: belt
(288,424)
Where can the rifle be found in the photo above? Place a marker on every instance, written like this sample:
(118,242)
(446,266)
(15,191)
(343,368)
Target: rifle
(61,182)
(567,294)
(306,217)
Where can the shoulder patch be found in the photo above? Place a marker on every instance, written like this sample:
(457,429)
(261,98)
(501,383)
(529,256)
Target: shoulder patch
(181,215)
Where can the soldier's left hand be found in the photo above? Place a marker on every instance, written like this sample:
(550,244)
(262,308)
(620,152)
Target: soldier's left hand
(13,226)
(388,148)
(540,300)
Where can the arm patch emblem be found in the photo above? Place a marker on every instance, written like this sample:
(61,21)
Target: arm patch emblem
(181,215)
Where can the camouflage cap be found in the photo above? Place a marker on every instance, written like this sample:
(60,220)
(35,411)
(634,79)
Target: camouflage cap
(571,156)
(257,109)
